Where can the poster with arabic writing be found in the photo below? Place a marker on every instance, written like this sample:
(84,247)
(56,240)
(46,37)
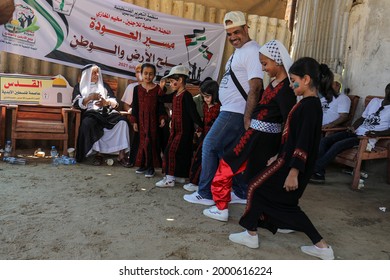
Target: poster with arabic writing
(113,34)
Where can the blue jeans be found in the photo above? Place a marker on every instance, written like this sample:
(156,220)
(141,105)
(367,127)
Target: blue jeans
(331,146)
(222,136)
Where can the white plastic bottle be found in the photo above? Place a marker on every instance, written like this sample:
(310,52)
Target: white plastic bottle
(7,149)
(54,155)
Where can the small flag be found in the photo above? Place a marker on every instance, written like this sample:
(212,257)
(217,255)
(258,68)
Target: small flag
(199,33)
(208,55)
(190,39)
(203,48)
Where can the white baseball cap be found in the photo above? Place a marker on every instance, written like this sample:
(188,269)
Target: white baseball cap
(337,78)
(236,18)
(178,70)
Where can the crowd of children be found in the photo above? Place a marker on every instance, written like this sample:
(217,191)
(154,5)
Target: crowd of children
(274,183)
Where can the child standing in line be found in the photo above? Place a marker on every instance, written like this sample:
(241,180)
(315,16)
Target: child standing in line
(178,153)
(274,193)
(147,115)
(211,106)
(127,100)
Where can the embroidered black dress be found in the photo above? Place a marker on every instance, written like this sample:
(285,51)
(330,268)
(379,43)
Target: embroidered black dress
(254,147)
(210,114)
(178,153)
(147,111)
(269,205)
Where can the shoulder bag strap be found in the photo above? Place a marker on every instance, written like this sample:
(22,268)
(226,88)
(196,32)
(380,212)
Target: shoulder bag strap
(235,80)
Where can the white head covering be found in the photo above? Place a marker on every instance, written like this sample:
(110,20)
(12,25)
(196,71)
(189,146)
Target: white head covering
(86,86)
(278,53)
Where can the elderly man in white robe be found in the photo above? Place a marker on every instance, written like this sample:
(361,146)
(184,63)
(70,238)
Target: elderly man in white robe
(103,130)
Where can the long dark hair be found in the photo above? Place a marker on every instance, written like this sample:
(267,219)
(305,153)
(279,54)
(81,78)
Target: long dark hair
(210,87)
(326,80)
(320,75)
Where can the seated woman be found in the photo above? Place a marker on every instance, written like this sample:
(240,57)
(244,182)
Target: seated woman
(335,105)
(102,128)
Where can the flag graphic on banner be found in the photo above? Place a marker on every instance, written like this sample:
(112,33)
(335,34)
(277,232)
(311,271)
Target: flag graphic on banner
(190,39)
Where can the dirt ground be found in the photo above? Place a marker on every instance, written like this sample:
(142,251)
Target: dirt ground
(108,212)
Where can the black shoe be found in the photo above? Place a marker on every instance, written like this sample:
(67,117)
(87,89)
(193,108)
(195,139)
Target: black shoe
(141,170)
(124,163)
(149,173)
(317,178)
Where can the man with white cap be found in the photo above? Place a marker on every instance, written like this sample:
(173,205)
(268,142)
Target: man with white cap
(239,93)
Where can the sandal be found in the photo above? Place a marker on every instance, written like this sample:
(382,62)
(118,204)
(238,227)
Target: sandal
(98,160)
(125,163)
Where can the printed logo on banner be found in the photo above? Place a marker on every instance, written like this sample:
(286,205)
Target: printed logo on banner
(22,26)
(63,6)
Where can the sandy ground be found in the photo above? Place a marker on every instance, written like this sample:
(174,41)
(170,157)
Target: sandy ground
(109,212)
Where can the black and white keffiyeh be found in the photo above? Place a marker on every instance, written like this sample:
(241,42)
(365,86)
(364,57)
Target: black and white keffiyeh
(276,51)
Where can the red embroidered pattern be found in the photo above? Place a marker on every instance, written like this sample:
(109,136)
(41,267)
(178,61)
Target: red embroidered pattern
(262,114)
(243,141)
(298,153)
(210,114)
(270,93)
(266,98)
(286,129)
(261,178)
(175,133)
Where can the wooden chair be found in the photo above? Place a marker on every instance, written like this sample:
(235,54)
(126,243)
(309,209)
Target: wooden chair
(353,157)
(113,83)
(3,111)
(42,123)
(348,122)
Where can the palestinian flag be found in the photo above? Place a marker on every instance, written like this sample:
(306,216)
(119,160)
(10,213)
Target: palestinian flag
(203,48)
(208,55)
(190,39)
(199,34)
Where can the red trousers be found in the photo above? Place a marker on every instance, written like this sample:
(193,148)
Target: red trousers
(222,184)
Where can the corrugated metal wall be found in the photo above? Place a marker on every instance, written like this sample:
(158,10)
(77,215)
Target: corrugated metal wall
(320,31)
(262,29)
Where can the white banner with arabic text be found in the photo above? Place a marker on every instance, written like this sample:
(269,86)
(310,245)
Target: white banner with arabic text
(113,34)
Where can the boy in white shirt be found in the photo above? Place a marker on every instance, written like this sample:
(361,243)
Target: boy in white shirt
(375,121)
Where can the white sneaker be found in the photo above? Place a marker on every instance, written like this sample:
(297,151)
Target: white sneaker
(180,180)
(214,213)
(244,238)
(190,187)
(198,199)
(164,183)
(285,230)
(322,253)
(236,200)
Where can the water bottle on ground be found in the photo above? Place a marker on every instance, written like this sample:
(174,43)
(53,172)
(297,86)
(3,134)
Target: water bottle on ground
(363,174)
(54,155)
(63,160)
(7,149)
(13,160)
(67,160)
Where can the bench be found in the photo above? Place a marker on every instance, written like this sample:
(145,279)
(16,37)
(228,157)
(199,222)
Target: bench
(3,112)
(353,157)
(40,122)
